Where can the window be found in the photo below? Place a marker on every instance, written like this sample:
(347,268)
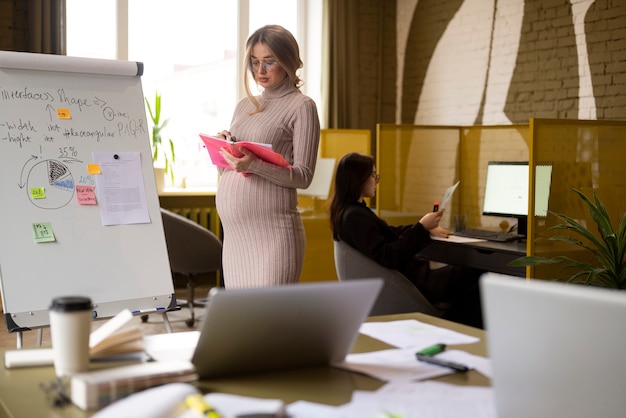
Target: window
(190,53)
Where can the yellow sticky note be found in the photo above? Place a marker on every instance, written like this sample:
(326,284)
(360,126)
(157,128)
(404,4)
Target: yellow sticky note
(63,113)
(93,168)
(85,195)
(37,192)
(42,232)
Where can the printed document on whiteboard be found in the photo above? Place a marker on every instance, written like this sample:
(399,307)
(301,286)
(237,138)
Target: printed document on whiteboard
(120,189)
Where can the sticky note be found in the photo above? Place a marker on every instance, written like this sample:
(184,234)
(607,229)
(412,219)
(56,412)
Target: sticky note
(63,113)
(93,169)
(37,192)
(85,195)
(42,232)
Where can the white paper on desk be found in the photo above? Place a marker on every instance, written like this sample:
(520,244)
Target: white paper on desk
(396,364)
(232,406)
(479,363)
(447,195)
(456,238)
(410,333)
(306,409)
(423,400)
(171,346)
(120,188)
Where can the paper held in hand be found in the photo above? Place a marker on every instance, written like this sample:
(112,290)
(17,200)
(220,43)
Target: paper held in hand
(448,194)
(261,151)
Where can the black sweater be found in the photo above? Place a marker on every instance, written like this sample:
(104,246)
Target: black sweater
(391,246)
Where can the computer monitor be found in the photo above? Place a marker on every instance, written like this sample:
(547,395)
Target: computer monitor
(506,191)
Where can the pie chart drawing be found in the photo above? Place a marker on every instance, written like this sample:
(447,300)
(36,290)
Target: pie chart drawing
(57,181)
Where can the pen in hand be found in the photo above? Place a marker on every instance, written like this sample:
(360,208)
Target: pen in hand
(436,207)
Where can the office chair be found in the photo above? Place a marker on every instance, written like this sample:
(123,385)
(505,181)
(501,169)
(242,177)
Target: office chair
(192,250)
(398,294)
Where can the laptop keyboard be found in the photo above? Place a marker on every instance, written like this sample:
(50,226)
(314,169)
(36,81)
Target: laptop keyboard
(488,235)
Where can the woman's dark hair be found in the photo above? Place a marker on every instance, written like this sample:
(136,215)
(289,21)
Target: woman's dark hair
(352,172)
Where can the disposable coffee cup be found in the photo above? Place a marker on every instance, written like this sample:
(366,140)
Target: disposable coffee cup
(70,326)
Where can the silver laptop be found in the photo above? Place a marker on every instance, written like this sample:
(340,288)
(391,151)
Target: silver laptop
(558,349)
(255,330)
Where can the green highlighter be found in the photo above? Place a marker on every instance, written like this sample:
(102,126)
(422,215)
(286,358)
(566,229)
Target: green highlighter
(432,350)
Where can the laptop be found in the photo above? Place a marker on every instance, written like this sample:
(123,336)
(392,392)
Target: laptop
(247,331)
(557,349)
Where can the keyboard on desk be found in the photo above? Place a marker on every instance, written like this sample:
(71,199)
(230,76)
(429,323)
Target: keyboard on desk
(488,235)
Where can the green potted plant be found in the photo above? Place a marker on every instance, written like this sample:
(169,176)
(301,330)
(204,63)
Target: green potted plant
(162,150)
(607,249)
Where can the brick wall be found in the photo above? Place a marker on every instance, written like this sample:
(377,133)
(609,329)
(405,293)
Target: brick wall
(460,62)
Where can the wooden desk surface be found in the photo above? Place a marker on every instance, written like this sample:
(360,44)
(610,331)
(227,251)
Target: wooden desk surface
(20,394)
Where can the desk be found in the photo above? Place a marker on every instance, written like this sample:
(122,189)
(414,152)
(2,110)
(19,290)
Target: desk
(484,255)
(20,394)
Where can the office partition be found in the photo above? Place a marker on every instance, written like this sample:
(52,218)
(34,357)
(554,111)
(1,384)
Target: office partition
(587,155)
(416,165)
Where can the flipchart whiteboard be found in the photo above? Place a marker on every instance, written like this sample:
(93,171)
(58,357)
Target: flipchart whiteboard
(55,111)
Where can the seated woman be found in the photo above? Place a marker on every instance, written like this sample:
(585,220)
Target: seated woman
(395,247)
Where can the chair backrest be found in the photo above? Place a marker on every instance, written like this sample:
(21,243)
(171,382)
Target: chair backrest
(192,248)
(398,295)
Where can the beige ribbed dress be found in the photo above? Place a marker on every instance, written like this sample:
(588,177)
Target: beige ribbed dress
(264,239)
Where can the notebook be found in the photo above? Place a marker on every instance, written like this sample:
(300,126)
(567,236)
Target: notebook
(557,349)
(255,330)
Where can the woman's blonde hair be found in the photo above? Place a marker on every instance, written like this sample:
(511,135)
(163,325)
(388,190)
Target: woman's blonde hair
(285,49)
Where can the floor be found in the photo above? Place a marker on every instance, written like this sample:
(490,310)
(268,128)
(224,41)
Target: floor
(154,325)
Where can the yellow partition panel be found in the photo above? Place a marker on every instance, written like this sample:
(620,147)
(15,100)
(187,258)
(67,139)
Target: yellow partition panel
(335,143)
(416,165)
(319,257)
(585,155)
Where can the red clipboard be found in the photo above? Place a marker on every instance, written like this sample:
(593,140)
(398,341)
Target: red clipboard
(262,151)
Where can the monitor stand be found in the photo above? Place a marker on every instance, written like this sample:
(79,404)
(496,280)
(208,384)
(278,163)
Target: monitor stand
(522,226)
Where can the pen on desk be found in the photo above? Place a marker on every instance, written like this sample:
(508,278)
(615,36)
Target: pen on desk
(197,403)
(436,207)
(439,362)
(432,350)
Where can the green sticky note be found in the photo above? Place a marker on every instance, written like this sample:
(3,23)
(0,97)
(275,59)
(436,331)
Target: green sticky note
(38,193)
(42,232)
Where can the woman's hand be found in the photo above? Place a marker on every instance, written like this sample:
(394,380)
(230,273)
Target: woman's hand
(431,220)
(226,135)
(241,163)
(440,232)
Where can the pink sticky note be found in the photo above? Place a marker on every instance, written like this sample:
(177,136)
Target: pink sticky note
(85,195)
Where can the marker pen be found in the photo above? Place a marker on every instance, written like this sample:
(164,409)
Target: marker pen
(439,362)
(138,311)
(432,350)
(436,207)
